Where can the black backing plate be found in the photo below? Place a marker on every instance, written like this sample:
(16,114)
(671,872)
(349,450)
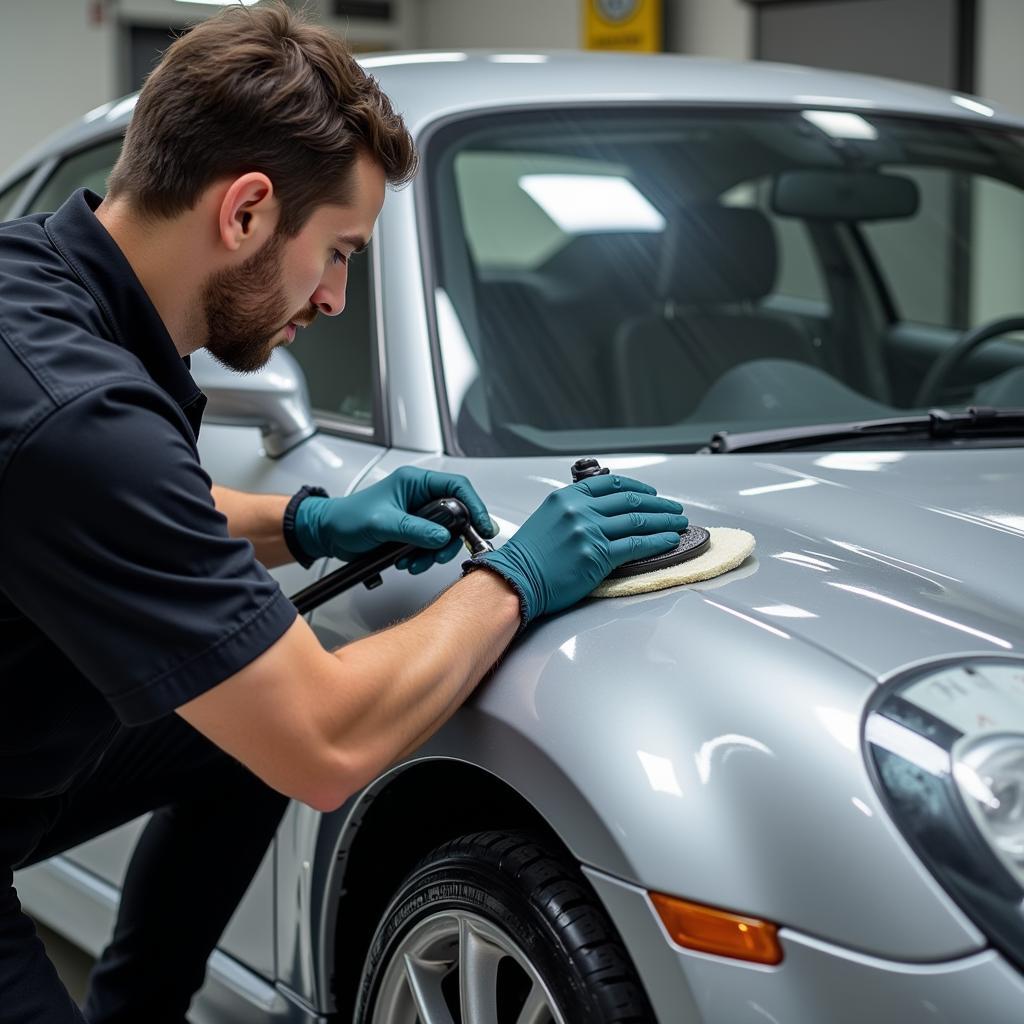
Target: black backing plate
(693,541)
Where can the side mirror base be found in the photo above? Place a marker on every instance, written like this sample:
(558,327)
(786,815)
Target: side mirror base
(275,399)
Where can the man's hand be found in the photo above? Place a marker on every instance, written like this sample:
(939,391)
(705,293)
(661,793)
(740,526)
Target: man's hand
(578,535)
(348,527)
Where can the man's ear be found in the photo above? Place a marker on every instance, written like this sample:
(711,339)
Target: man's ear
(248,212)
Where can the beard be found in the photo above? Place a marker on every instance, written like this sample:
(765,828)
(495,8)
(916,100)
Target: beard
(245,307)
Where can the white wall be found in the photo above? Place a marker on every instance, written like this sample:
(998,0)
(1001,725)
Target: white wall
(1000,70)
(711,28)
(54,65)
(467,23)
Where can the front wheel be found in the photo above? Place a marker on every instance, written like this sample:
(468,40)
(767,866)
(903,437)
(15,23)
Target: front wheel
(495,928)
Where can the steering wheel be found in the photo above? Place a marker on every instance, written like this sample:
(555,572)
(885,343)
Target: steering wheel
(952,357)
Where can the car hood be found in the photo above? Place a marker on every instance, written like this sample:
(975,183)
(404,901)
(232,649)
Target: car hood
(706,740)
(882,558)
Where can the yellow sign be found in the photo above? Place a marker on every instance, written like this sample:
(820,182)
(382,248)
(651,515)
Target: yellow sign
(623,25)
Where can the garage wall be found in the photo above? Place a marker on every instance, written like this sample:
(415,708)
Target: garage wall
(55,64)
(711,28)
(714,28)
(1000,68)
(467,23)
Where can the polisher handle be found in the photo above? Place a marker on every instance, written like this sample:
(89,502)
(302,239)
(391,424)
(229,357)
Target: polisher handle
(447,512)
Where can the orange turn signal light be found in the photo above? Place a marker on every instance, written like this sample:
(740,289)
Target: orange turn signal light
(717,931)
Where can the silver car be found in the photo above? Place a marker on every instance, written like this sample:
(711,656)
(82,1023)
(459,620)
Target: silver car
(793,794)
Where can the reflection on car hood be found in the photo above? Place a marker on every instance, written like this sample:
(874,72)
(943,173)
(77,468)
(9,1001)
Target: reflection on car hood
(882,558)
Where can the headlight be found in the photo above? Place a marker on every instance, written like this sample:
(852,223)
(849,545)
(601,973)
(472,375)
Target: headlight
(989,772)
(947,748)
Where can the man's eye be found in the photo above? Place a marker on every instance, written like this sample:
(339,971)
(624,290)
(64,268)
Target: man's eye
(338,257)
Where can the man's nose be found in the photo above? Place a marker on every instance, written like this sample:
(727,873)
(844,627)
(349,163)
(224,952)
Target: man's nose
(329,300)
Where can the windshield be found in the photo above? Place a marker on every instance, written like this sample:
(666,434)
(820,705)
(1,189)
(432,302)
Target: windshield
(615,280)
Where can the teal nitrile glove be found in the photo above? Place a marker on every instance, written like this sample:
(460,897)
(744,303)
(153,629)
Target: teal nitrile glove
(578,535)
(348,527)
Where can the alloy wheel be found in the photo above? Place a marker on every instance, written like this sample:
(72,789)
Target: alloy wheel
(455,967)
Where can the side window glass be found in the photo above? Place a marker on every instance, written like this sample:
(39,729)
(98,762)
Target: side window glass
(799,275)
(336,353)
(11,194)
(89,168)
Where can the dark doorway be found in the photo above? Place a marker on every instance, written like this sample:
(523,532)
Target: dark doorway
(926,41)
(143,46)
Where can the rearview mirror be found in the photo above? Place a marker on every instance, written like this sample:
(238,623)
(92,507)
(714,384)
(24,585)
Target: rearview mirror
(844,195)
(275,399)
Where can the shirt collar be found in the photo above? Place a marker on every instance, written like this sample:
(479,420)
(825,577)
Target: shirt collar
(134,323)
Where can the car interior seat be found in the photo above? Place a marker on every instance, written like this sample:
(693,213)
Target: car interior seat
(717,263)
(546,334)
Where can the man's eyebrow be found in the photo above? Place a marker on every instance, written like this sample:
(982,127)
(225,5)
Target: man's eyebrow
(358,243)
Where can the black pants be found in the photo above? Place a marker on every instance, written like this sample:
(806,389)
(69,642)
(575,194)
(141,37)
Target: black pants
(212,824)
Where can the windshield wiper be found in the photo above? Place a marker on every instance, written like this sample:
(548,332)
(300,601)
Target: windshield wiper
(973,421)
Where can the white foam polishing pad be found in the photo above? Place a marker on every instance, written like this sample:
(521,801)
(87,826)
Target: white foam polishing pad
(727,550)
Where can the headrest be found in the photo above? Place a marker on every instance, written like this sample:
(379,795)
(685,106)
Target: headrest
(717,254)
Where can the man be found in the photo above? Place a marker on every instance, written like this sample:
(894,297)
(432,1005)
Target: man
(148,660)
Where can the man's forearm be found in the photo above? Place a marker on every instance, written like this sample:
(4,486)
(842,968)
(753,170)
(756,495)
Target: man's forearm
(319,726)
(259,518)
(423,668)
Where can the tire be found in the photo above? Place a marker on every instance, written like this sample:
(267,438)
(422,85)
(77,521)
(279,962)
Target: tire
(499,922)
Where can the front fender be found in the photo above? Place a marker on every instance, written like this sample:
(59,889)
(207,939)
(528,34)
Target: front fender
(687,747)
(692,749)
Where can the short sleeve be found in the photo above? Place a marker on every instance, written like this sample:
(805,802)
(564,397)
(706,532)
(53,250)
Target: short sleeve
(111,544)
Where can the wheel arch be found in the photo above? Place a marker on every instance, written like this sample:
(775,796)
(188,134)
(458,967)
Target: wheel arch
(394,823)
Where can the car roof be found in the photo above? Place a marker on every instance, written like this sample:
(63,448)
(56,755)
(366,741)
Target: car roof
(427,85)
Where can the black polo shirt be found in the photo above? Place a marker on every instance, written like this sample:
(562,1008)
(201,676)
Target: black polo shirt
(121,594)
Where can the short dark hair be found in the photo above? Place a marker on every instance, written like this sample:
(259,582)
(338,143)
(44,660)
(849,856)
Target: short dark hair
(257,89)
